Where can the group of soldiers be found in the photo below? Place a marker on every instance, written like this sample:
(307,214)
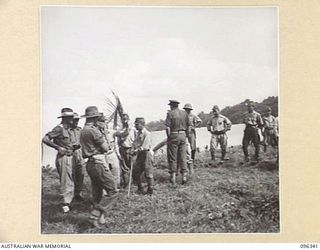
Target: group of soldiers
(111,157)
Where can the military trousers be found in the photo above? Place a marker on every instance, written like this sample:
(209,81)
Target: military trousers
(125,165)
(101,179)
(177,152)
(114,166)
(192,140)
(217,140)
(251,135)
(78,171)
(270,137)
(143,164)
(64,165)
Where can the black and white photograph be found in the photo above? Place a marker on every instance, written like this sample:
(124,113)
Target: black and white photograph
(159,120)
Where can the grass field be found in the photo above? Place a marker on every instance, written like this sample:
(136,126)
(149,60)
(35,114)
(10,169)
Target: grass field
(228,198)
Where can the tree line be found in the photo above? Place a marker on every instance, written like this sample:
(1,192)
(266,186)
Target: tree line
(234,113)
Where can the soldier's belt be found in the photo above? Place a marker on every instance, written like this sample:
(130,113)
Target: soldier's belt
(178,132)
(251,126)
(219,132)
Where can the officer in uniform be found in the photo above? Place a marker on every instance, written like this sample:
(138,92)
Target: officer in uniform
(59,138)
(93,147)
(218,125)
(177,128)
(253,122)
(195,122)
(78,161)
(143,163)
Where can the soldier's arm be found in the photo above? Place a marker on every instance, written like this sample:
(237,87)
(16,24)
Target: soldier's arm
(122,133)
(168,123)
(198,121)
(160,145)
(99,140)
(260,121)
(228,124)
(46,140)
(209,125)
(146,145)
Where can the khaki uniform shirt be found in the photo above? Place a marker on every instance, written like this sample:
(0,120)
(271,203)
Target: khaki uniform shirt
(75,135)
(91,139)
(270,122)
(219,123)
(177,120)
(143,139)
(194,121)
(253,119)
(61,136)
(126,137)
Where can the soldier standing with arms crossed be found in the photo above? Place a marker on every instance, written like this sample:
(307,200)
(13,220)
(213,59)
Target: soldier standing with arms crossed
(177,123)
(93,147)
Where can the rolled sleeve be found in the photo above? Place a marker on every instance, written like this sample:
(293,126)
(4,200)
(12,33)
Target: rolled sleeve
(146,145)
(55,132)
(97,137)
(168,120)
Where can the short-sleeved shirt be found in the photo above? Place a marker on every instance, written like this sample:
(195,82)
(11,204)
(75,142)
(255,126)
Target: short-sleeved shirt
(253,119)
(126,137)
(194,120)
(177,120)
(61,136)
(142,139)
(270,122)
(219,123)
(91,139)
(75,135)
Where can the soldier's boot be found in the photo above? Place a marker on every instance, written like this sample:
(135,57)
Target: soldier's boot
(264,148)
(190,167)
(213,157)
(173,178)
(223,154)
(140,188)
(184,178)
(193,154)
(150,186)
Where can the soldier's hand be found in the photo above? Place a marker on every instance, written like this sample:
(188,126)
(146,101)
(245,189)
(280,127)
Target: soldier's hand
(63,151)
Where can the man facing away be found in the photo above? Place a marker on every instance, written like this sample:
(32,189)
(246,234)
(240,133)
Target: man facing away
(143,163)
(218,125)
(177,128)
(93,147)
(195,122)
(253,122)
(270,133)
(59,138)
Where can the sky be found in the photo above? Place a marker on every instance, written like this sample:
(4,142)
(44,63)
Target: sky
(148,55)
